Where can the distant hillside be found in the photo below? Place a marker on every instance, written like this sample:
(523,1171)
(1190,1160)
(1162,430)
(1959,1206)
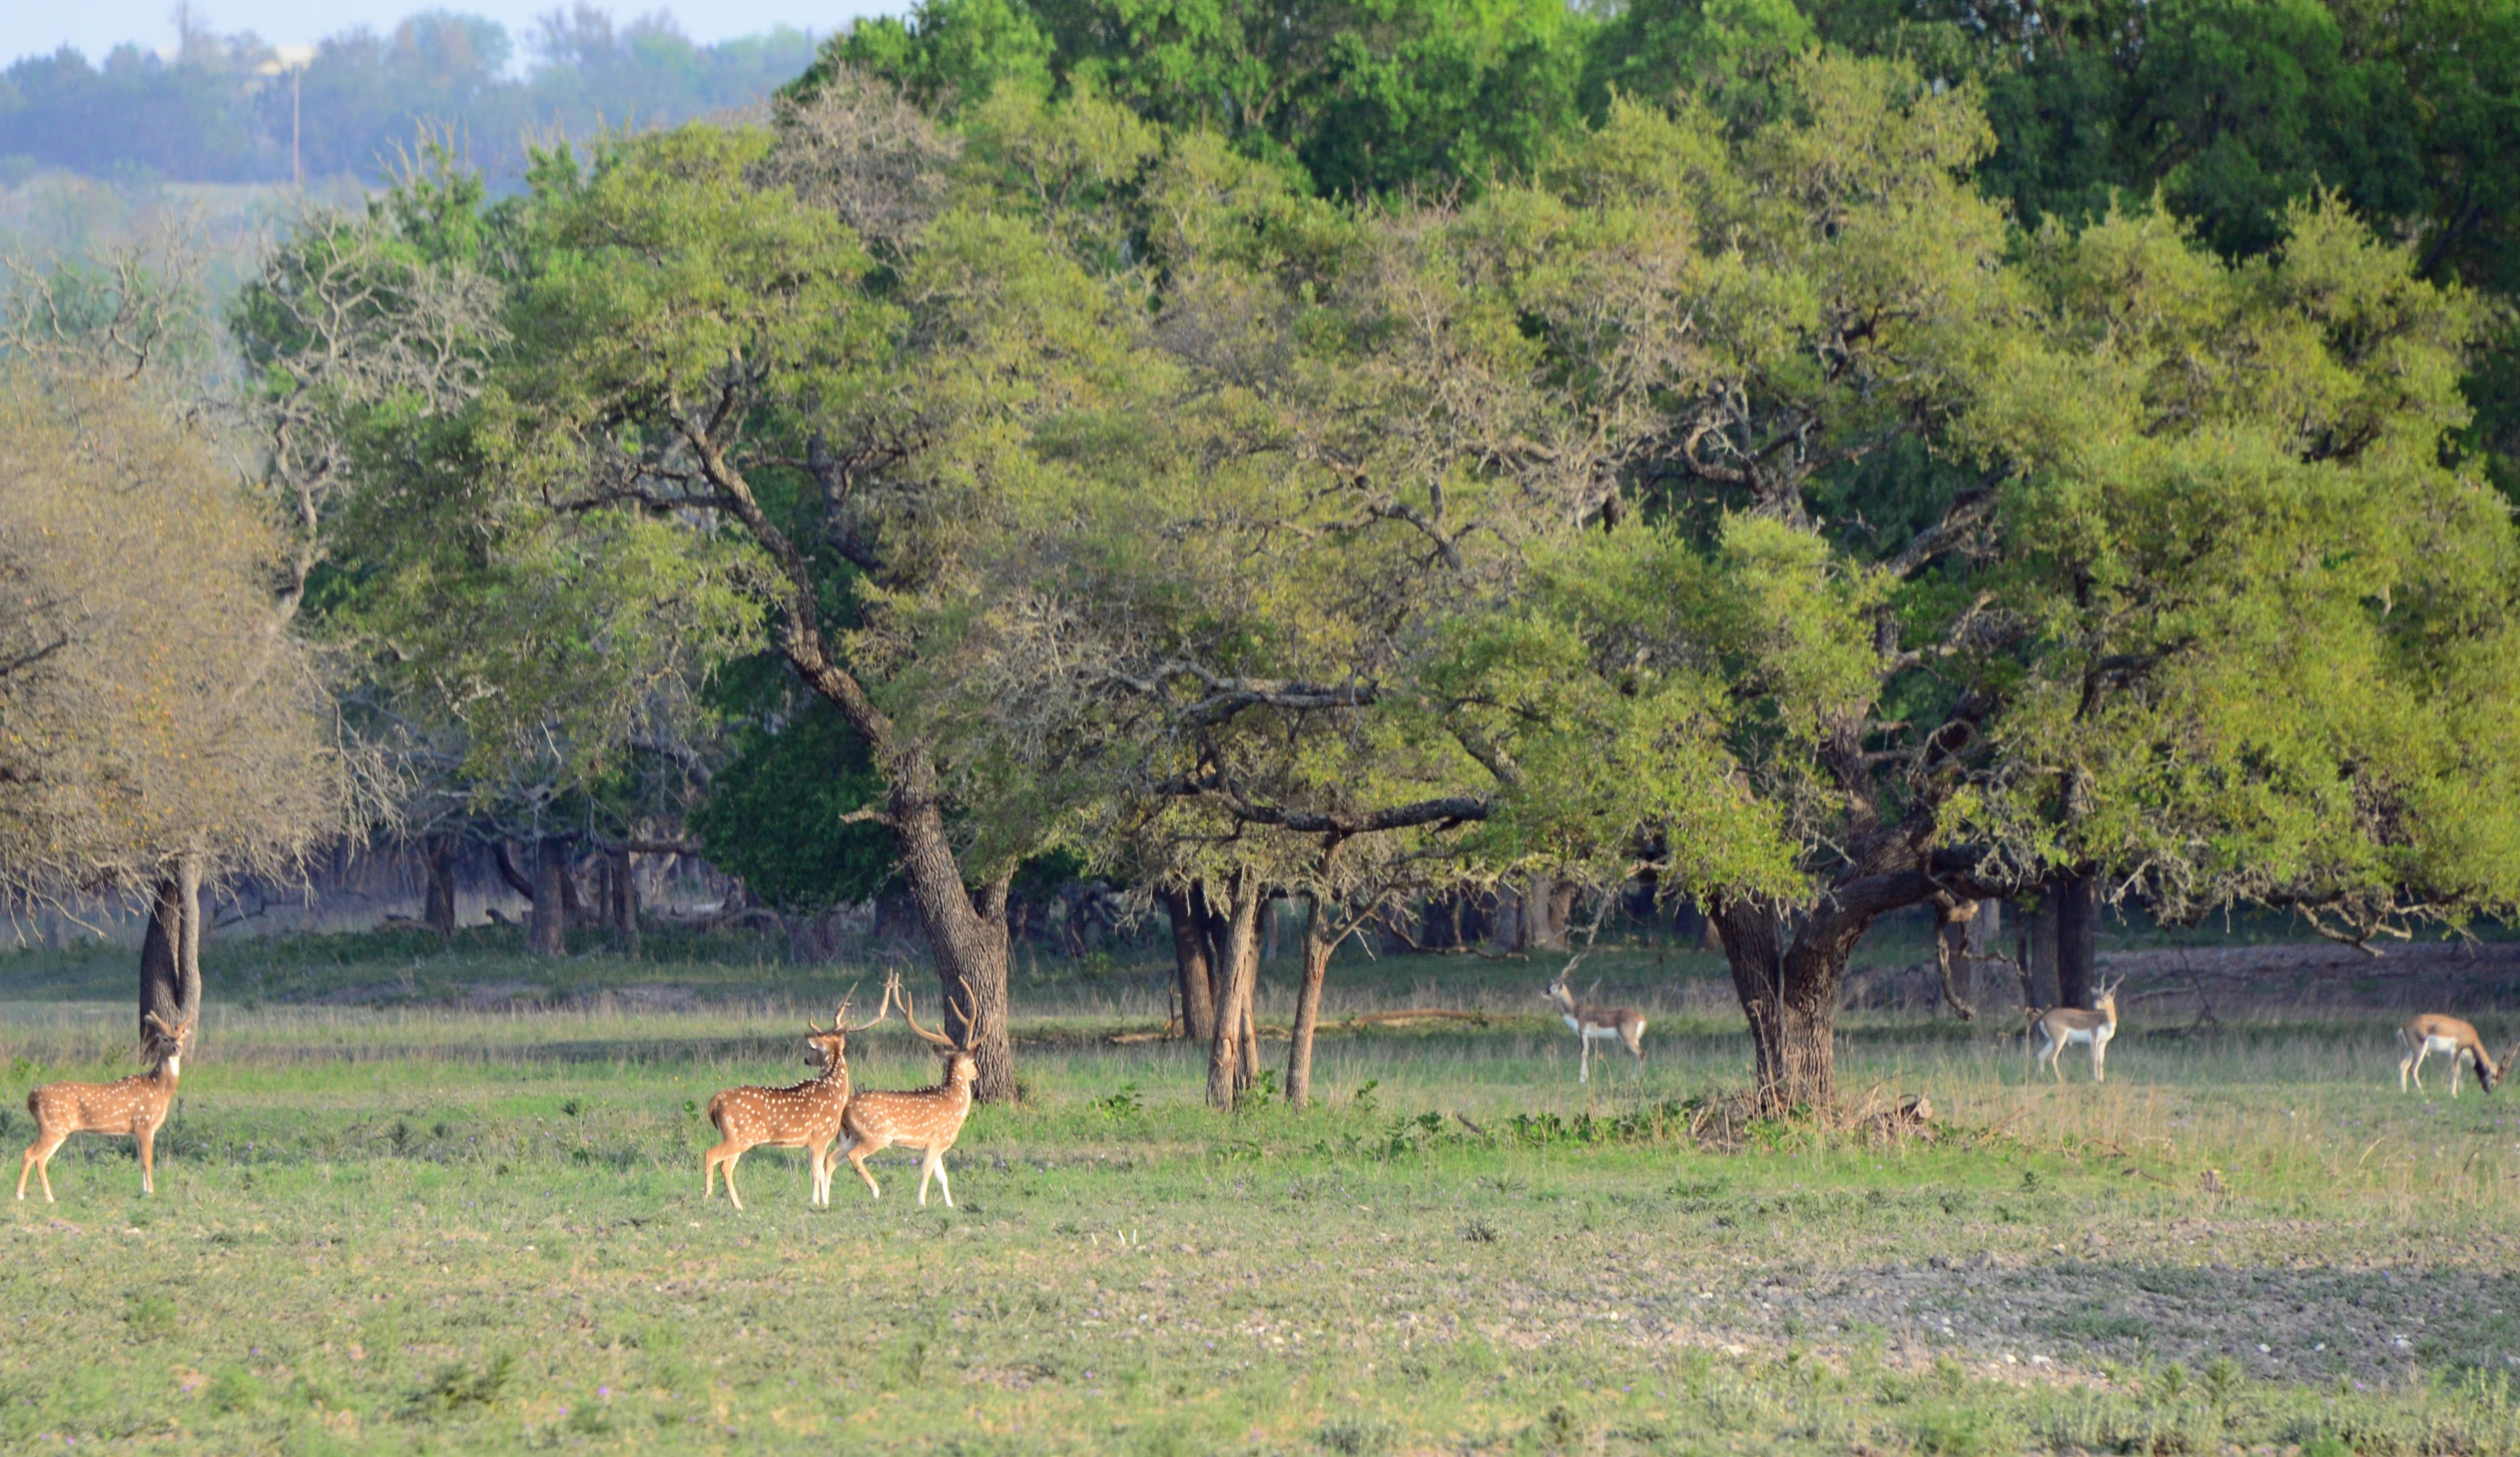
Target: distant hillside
(220,111)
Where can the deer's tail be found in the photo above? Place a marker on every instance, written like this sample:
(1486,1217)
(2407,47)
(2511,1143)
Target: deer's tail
(717,1104)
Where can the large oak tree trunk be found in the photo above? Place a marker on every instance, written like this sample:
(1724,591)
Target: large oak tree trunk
(1299,1057)
(1791,994)
(1190,960)
(549,927)
(171,951)
(438,854)
(2076,902)
(1228,1062)
(966,936)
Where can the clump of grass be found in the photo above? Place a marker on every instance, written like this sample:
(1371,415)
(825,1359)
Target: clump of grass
(461,1386)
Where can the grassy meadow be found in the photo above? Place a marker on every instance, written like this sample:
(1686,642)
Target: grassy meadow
(416,1202)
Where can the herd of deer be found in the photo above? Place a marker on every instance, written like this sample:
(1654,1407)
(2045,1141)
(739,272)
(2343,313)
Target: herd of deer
(823,1111)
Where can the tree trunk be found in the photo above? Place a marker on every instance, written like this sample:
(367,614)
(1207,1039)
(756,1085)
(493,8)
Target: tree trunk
(549,932)
(624,905)
(1546,908)
(967,937)
(171,952)
(1228,1070)
(1505,926)
(1791,997)
(2077,907)
(1299,1057)
(438,854)
(1953,923)
(2041,937)
(1189,955)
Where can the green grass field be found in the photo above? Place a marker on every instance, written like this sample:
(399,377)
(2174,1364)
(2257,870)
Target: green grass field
(422,1227)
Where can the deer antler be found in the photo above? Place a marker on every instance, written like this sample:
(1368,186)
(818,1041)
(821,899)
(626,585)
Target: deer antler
(892,984)
(910,1014)
(837,1013)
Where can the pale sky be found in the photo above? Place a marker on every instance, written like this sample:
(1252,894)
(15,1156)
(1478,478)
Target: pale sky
(39,27)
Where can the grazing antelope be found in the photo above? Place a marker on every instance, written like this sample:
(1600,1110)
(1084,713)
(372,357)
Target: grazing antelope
(804,1116)
(929,1119)
(2062,1027)
(2453,1038)
(1593,1023)
(132,1108)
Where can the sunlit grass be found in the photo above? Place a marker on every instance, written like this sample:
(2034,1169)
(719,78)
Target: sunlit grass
(414,1225)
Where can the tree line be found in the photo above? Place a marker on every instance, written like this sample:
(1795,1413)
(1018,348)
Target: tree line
(988,462)
(232,108)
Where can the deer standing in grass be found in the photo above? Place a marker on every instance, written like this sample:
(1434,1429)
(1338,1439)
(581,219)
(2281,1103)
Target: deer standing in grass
(133,1107)
(1593,1023)
(929,1119)
(2453,1038)
(2062,1026)
(806,1115)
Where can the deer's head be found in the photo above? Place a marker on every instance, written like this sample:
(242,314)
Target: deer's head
(2488,1075)
(827,1048)
(165,1043)
(1559,995)
(2107,1001)
(961,1069)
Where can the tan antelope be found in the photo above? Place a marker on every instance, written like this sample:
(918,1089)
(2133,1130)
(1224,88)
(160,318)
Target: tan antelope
(1593,1023)
(2062,1026)
(929,1119)
(133,1107)
(806,1115)
(2453,1038)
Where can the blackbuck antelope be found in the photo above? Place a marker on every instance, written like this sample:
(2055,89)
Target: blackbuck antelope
(929,1119)
(2062,1027)
(806,1115)
(1593,1023)
(2453,1038)
(129,1108)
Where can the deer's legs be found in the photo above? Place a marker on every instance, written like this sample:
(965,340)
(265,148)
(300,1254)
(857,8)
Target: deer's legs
(39,1159)
(2455,1060)
(147,1138)
(1583,1059)
(729,1163)
(2404,1066)
(935,1164)
(858,1153)
(2100,1061)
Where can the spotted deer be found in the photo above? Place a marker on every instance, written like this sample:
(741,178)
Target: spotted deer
(2453,1038)
(929,1119)
(806,1115)
(133,1107)
(2062,1026)
(1593,1023)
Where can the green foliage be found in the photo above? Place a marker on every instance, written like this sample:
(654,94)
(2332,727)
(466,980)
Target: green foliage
(774,813)
(1373,98)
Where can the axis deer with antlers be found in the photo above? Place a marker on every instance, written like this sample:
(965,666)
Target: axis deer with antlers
(929,1119)
(2453,1038)
(806,1115)
(133,1107)
(1592,1023)
(2062,1026)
